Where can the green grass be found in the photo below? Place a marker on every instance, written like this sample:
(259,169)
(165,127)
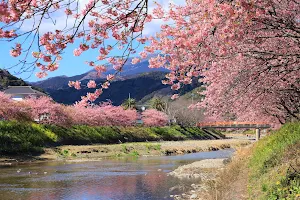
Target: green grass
(273,171)
(155,147)
(19,137)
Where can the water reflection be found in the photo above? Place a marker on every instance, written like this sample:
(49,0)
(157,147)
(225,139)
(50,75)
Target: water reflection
(108,179)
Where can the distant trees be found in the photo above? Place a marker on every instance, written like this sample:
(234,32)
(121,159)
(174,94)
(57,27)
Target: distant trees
(102,115)
(158,104)
(180,112)
(129,103)
(154,117)
(44,110)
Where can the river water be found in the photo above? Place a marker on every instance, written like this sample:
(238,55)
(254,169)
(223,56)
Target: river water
(119,179)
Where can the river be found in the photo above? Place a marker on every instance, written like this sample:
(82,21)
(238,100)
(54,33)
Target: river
(128,178)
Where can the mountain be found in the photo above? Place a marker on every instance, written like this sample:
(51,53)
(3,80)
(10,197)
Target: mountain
(129,71)
(139,80)
(6,79)
(138,86)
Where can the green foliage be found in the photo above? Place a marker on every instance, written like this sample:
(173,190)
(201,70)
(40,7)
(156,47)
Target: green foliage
(155,147)
(19,137)
(287,188)
(268,152)
(195,93)
(158,104)
(129,103)
(169,133)
(6,79)
(270,167)
(134,153)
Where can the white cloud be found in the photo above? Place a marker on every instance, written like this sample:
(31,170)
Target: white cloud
(154,26)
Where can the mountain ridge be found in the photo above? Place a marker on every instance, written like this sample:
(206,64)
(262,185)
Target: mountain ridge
(129,70)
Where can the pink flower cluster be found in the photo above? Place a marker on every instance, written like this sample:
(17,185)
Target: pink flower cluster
(45,110)
(153,117)
(16,51)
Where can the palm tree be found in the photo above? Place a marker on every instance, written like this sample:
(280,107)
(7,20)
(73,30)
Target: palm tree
(158,104)
(129,103)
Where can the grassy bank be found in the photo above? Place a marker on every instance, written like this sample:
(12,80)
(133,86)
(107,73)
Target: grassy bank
(274,171)
(268,170)
(16,137)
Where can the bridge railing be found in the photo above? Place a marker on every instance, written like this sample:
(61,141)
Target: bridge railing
(234,124)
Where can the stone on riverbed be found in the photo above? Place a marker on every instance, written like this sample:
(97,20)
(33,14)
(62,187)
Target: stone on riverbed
(198,170)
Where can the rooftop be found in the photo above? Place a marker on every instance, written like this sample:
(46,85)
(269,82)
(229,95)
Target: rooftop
(27,90)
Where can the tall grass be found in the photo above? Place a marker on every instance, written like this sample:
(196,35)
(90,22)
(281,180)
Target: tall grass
(267,170)
(270,170)
(269,151)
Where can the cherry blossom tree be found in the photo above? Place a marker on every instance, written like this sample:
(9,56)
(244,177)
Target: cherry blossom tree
(46,111)
(90,23)
(102,115)
(154,117)
(247,50)
(13,110)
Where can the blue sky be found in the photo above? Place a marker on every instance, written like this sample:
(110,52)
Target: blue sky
(69,65)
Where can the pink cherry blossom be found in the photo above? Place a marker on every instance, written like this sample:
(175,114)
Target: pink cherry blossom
(174,96)
(153,117)
(143,54)
(77,52)
(110,77)
(135,61)
(41,74)
(77,85)
(91,84)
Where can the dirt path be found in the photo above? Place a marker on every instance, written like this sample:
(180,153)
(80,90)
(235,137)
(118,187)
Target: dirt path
(238,188)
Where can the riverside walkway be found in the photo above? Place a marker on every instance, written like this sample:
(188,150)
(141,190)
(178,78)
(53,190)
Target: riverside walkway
(236,125)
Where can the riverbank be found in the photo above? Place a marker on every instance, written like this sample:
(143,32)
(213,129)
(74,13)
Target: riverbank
(267,169)
(79,153)
(31,138)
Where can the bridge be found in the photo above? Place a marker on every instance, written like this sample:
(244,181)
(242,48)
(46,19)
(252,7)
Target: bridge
(236,125)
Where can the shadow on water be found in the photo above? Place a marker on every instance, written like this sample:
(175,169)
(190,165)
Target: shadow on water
(124,179)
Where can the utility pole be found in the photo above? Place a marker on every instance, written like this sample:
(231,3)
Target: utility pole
(193,98)
(129,100)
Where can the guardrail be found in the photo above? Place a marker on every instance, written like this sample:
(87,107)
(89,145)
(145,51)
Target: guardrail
(261,125)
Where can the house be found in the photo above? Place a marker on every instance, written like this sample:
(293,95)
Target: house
(19,93)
